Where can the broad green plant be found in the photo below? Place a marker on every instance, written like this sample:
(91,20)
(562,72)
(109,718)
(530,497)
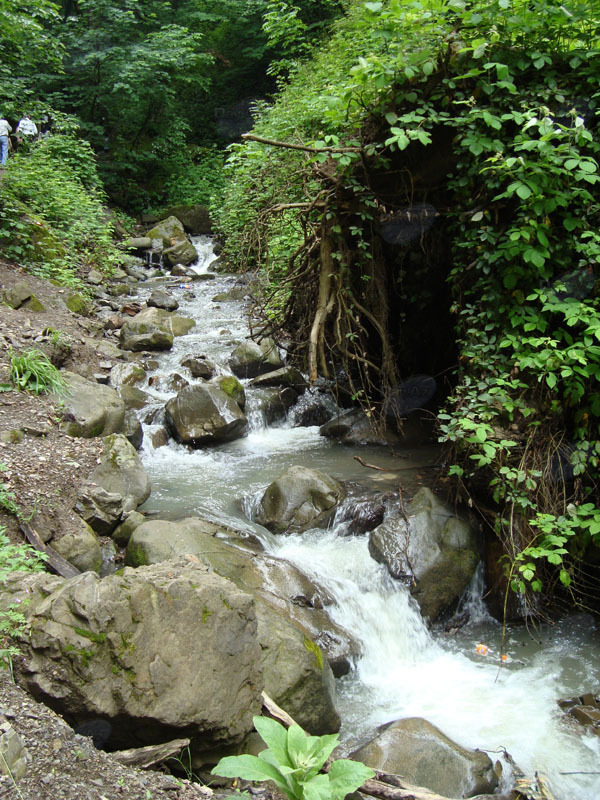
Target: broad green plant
(32,371)
(293,760)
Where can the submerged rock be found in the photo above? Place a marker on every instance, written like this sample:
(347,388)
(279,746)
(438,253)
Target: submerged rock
(203,414)
(423,755)
(299,499)
(437,552)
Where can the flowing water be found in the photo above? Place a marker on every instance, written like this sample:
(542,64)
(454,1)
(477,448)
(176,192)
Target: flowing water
(404,669)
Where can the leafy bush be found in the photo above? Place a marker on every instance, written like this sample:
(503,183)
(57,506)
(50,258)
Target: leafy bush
(293,761)
(53,219)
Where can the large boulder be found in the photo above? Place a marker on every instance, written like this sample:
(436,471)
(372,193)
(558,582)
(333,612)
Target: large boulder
(286,376)
(153,329)
(250,359)
(277,583)
(437,552)
(165,651)
(299,499)
(118,484)
(271,403)
(169,231)
(203,414)
(423,755)
(120,471)
(90,409)
(181,253)
(161,299)
(297,674)
(195,218)
(355,428)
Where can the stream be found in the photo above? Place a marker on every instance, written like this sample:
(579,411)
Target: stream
(404,668)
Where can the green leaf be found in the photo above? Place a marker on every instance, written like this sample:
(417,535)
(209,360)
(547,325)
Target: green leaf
(298,744)
(250,768)
(524,191)
(275,736)
(374,7)
(480,433)
(317,788)
(346,776)
(391,117)
(564,577)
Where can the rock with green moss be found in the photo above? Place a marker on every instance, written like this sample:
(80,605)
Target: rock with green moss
(153,329)
(232,388)
(437,552)
(169,231)
(250,359)
(78,304)
(168,650)
(21,296)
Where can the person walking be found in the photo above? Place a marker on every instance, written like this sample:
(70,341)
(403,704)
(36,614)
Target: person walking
(5,130)
(26,129)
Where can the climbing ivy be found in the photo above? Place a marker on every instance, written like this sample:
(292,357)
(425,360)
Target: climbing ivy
(506,92)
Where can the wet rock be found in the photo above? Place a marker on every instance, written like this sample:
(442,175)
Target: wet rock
(139,243)
(286,376)
(177,382)
(160,438)
(250,359)
(162,299)
(312,409)
(133,397)
(232,387)
(423,755)
(199,366)
(585,709)
(146,331)
(274,404)
(168,231)
(129,374)
(299,499)
(165,650)
(132,429)
(354,428)
(182,252)
(204,414)
(437,553)
(90,409)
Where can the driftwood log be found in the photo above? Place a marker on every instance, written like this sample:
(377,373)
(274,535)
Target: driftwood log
(145,757)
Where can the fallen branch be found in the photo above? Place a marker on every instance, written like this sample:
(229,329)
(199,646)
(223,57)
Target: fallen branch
(371,466)
(145,757)
(59,564)
(304,147)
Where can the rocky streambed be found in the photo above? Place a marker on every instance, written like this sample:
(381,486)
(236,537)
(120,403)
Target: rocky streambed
(245,549)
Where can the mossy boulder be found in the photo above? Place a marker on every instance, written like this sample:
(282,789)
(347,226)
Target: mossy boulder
(232,388)
(78,304)
(90,409)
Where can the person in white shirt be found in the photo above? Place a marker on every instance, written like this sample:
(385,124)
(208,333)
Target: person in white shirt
(26,129)
(5,130)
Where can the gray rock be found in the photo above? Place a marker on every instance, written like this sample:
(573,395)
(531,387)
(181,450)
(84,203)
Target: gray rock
(438,552)
(161,299)
(203,414)
(355,428)
(182,252)
(102,510)
(14,756)
(139,243)
(169,231)
(274,404)
(195,218)
(148,330)
(423,755)
(122,534)
(120,471)
(90,409)
(232,387)
(133,398)
(165,650)
(81,548)
(199,366)
(160,438)
(132,429)
(19,295)
(129,373)
(286,376)
(301,498)
(95,277)
(250,359)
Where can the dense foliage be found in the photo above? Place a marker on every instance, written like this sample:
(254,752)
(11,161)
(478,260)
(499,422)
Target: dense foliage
(450,144)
